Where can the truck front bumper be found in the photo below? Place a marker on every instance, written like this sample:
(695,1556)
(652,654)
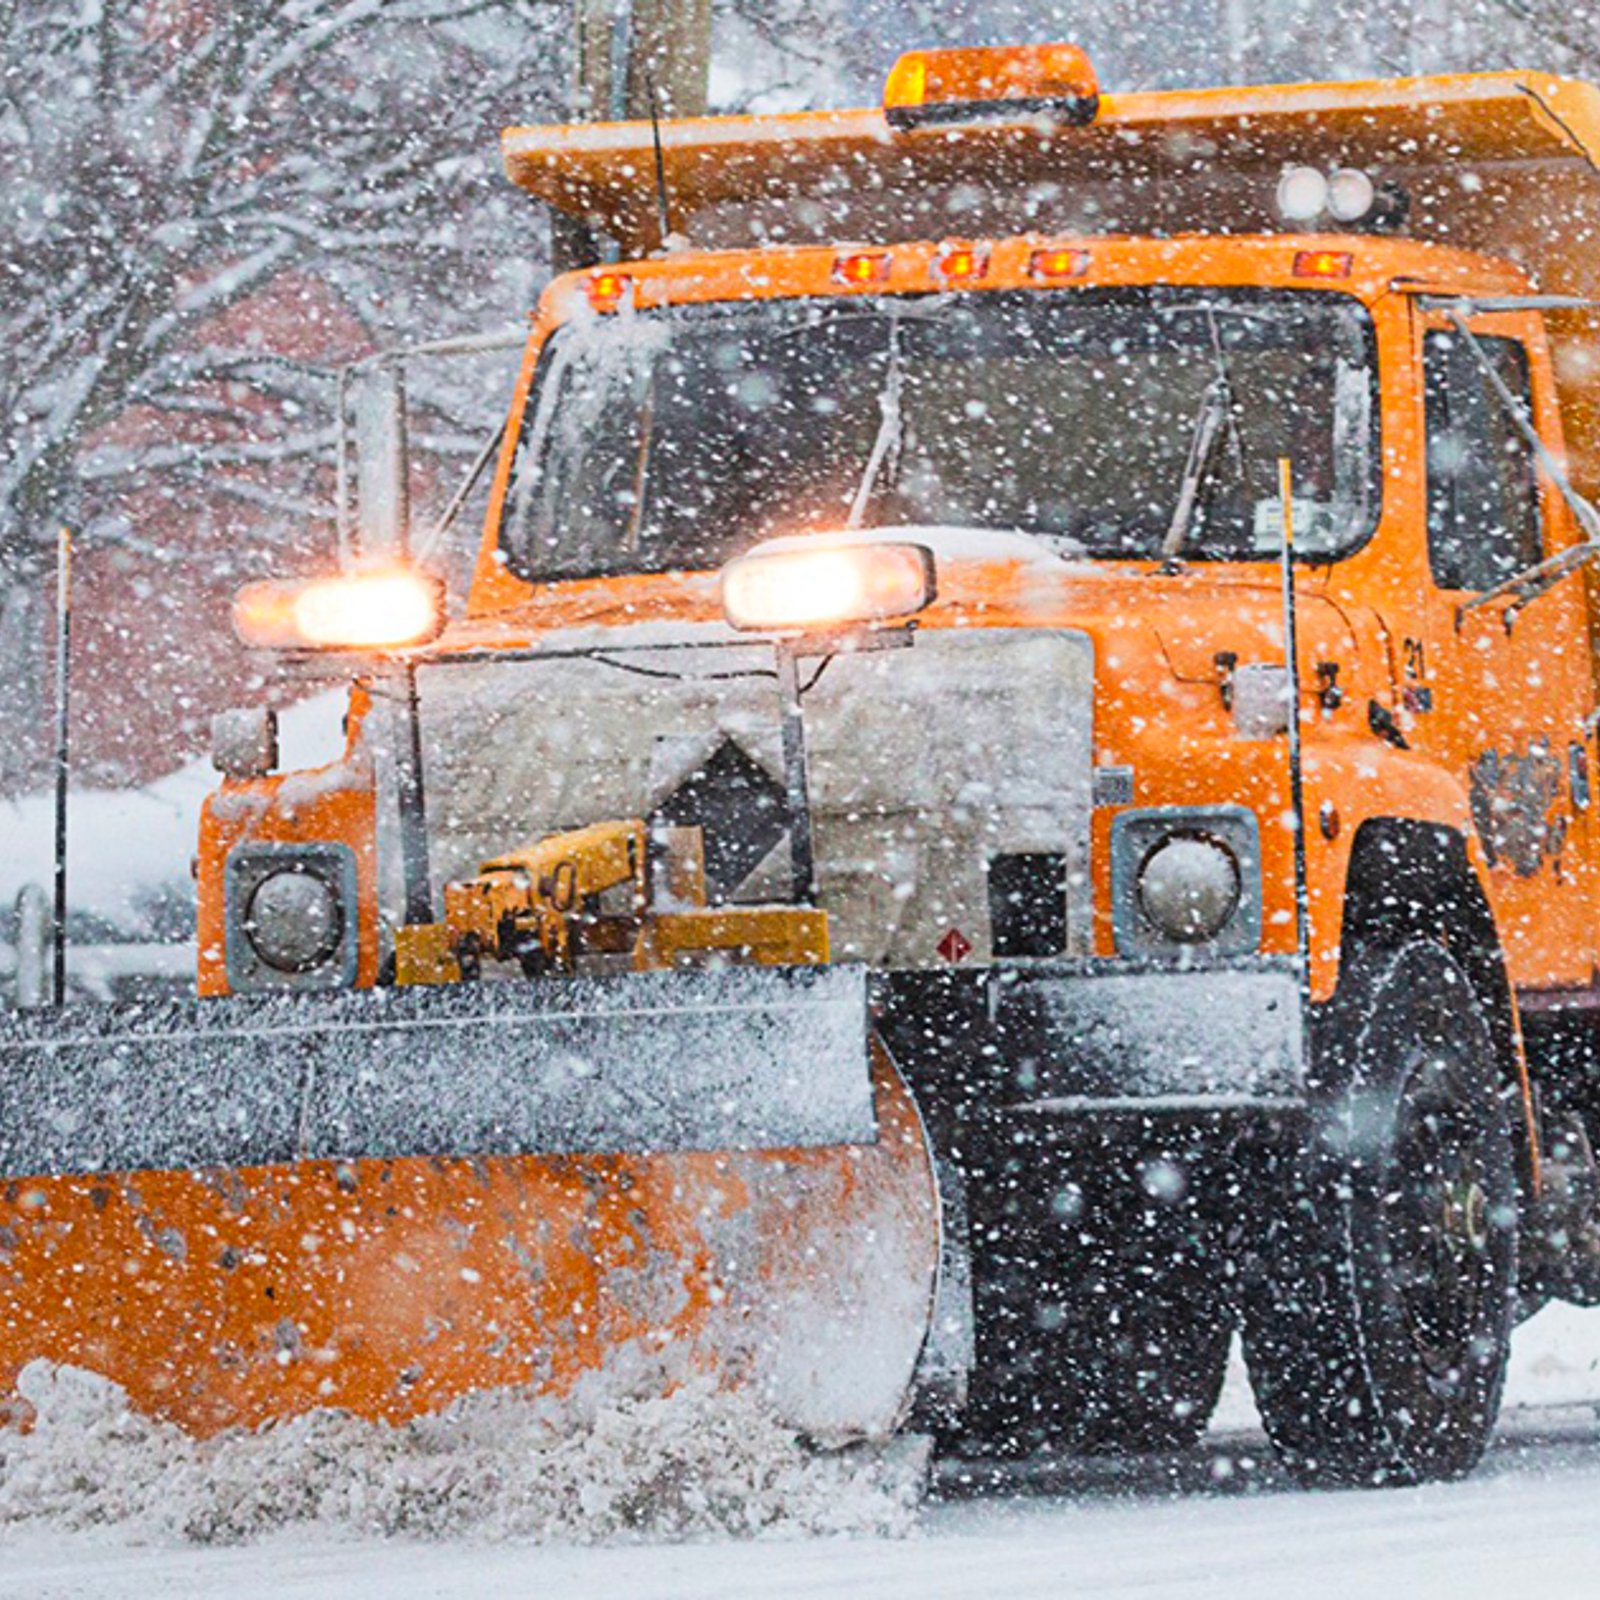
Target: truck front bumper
(1078,1038)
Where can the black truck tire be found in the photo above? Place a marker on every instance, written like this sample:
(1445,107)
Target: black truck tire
(1378,1328)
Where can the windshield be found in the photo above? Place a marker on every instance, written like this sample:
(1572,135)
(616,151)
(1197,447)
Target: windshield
(675,439)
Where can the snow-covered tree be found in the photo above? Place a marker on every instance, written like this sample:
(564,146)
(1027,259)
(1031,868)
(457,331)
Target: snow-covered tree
(202,203)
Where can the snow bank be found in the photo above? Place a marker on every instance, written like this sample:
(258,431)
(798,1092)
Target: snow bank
(127,848)
(589,1468)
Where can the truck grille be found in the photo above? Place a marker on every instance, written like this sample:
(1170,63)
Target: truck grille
(950,782)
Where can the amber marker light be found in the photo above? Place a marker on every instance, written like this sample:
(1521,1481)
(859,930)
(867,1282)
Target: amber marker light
(961,263)
(607,290)
(1323,264)
(385,608)
(1058,261)
(862,268)
(801,587)
(943,86)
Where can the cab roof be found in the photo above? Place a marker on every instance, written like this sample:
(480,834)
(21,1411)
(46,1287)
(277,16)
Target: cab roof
(1365,266)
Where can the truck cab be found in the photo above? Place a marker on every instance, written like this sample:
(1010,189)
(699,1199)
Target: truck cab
(1114,567)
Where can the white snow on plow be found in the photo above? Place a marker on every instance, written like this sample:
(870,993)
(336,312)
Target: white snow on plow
(608,1463)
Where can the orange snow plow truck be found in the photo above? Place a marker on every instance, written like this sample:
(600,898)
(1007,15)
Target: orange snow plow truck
(1015,792)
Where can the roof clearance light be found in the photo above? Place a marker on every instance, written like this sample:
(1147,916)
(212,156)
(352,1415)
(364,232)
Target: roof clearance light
(942,86)
(1323,263)
(607,290)
(384,608)
(797,588)
(863,268)
(1058,262)
(961,263)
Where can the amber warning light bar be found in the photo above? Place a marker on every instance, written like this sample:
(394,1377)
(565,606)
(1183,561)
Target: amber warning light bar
(943,86)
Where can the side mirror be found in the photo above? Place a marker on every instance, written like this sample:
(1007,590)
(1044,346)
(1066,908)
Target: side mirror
(376,401)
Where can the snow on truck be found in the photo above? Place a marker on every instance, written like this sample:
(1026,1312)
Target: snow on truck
(1015,791)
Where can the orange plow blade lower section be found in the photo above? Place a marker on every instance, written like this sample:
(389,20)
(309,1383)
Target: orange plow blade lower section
(233,1295)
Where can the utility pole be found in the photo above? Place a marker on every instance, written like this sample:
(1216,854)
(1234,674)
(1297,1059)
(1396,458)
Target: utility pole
(1236,39)
(626,47)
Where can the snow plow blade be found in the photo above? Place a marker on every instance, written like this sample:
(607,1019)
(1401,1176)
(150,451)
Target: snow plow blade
(384,1200)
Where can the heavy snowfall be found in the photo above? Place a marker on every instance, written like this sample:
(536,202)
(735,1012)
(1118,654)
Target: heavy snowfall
(361,1292)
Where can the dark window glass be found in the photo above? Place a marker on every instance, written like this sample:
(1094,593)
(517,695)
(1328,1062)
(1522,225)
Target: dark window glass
(676,439)
(1483,514)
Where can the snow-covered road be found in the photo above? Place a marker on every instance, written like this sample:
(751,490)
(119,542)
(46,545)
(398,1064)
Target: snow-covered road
(1528,1523)
(1221,1523)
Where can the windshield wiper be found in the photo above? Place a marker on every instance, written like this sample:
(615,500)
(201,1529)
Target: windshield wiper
(888,428)
(1216,406)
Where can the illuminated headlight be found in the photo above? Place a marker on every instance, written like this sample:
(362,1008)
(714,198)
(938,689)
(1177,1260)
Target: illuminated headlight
(1186,879)
(792,586)
(294,921)
(382,608)
(290,916)
(1189,888)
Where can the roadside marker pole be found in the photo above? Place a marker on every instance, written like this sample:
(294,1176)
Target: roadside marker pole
(63,706)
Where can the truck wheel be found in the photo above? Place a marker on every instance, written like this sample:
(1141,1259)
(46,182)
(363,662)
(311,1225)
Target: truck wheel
(1378,1334)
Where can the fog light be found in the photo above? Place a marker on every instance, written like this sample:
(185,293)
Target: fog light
(294,921)
(1189,888)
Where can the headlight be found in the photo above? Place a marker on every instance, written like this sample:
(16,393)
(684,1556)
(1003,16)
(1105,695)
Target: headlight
(382,608)
(294,921)
(797,584)
(291,916)
(1189,887)
(1186,880)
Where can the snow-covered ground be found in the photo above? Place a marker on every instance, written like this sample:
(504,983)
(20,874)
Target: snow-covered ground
(1222,1523)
